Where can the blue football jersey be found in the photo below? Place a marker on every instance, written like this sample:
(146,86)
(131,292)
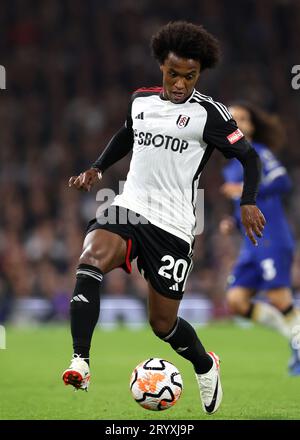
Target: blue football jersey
(274,183)
(268,265)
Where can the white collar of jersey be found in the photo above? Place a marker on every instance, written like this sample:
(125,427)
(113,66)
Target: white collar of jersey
(161,95)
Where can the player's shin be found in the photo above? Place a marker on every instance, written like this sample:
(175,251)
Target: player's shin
(184,340)
(85,308)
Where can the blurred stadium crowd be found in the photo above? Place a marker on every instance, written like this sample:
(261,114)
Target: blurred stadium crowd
(71,67)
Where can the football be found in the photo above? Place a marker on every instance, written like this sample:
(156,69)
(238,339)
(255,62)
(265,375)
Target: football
(156,384)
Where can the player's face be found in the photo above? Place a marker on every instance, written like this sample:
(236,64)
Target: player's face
(243,119)
(179,77)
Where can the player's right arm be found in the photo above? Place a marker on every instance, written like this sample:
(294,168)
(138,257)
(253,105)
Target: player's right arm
(118,147)
(86,180)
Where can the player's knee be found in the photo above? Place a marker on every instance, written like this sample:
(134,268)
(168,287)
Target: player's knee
(281,303)
(93,255)
(235,303)
(161,327)
(281,298)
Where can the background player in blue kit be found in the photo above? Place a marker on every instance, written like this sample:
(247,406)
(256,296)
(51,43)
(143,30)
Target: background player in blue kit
(268,266)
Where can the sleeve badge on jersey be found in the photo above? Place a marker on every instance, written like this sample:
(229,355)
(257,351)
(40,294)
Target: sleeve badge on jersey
(235,136)
(182,121)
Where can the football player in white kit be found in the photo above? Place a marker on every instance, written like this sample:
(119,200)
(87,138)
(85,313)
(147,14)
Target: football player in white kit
(172,131)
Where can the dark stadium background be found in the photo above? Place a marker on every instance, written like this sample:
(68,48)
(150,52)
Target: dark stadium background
(71,67)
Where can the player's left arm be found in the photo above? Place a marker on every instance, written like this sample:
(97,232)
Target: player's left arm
(222,132)
(252,218)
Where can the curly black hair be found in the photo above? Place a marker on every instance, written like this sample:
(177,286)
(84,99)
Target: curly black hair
(268,128)
(186,40)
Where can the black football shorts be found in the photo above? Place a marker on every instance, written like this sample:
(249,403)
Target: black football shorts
(162,258)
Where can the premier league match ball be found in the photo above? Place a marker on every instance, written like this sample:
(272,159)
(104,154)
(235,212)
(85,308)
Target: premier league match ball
(156,384)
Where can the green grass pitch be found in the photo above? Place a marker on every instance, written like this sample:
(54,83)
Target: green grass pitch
(253,369)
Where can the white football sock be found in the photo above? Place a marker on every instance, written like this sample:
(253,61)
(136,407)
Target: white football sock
(292,319)
(269,316)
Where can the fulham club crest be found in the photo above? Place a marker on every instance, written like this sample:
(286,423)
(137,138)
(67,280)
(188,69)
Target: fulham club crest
(182,121)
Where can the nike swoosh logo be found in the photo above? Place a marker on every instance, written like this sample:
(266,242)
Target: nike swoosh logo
(209,408)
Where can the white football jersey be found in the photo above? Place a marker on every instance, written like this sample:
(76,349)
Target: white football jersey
(172,143)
